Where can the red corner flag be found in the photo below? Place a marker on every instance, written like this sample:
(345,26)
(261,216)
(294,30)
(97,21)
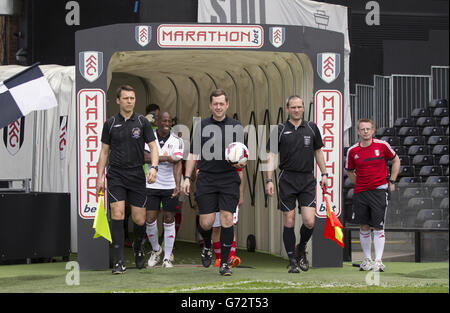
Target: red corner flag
(333,227)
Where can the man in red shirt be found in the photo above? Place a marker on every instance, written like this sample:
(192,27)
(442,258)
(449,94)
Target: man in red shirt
(366,165)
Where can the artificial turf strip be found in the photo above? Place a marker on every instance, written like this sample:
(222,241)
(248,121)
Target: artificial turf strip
(259,273)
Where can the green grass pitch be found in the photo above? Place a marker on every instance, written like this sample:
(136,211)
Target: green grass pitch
(258,273)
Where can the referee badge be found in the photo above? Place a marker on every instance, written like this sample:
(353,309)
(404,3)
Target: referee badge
(307,140)
(136,132)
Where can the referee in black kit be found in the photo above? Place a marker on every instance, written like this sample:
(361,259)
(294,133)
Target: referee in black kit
(123,139)
(217,187)
(299,143)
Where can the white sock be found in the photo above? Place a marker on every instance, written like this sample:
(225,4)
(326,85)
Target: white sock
(366,243)
(169,239)
(378,243)
(152,234)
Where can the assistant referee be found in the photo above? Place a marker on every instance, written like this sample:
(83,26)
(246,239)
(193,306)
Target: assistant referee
(123,139)
(299,143)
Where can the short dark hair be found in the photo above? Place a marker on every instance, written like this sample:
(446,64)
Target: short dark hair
(218,93)
(152,107)
(293,97)
(124,87)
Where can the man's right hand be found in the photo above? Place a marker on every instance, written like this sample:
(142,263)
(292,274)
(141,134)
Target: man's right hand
(100,186)
(186,187)
(269,189)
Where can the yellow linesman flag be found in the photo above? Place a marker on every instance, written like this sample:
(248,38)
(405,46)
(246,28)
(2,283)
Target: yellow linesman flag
(101,224)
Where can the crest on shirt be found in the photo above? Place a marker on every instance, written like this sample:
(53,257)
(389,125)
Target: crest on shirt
(377,152)
(356,157)
(307,140)
(136,132)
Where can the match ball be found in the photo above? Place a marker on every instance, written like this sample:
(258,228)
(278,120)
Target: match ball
(236,153)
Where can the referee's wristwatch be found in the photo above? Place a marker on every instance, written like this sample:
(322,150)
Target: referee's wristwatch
(324,174)
(155,167)
(392,181)
(269,180)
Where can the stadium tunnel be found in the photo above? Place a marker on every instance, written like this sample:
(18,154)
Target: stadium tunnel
(257,84)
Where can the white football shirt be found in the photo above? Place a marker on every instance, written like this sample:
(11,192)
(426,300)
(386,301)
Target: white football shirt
(174,146)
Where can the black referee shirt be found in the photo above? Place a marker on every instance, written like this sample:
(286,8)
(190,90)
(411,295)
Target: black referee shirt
(126,139)
(211,164)
(297,146)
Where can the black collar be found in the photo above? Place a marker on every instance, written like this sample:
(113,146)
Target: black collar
(122,118)
(218,122)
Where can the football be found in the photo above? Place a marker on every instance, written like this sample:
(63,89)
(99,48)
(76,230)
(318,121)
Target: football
(236,153)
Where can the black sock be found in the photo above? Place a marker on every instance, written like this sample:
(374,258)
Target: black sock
(206,234)
(305,234)
(139,233)
(226,241)
(117,236)
(289,241)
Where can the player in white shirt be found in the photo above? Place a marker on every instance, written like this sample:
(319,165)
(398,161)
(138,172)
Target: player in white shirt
(164,190)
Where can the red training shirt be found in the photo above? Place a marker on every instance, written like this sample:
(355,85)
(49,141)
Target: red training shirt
(369,164)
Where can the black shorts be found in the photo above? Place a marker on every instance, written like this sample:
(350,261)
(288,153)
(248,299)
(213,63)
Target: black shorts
(369,207)
(295,186)
(156,196)
(217,191)
(127,184)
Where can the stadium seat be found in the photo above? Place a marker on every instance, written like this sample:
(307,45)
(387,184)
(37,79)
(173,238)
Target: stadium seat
(440,150)
(438,103)
(385,131)
(412,192)
(432,131)
(419,112)
(413,140)
(437,140)
(446,171)
(420,203)
(400,150)
(444,121)
(421,159)
(391,140)
(408,131)
(430,170)
(440,112)
(406,170)
(428,214)
(407,181)
(425,121)
(444,204)
(443,160)
(435,224)
(403,121)
(436,180)
(446,132)
(405,159)
(417,149)
(439,193)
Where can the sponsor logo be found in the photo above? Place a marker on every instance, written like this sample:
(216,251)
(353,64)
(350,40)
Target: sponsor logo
(210,36)
(329,122)
(91,65)
(143,35)
(91,117)
(62,136)
(13,135)
(277,36)
(328,66)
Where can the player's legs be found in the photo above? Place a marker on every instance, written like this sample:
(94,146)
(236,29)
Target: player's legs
(117,230)
(215,237)
(169,211)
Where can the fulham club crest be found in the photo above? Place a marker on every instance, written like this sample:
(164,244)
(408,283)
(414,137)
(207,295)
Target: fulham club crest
(143,34)
(328,66)
(277,36)
(91,65)
(13,135)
